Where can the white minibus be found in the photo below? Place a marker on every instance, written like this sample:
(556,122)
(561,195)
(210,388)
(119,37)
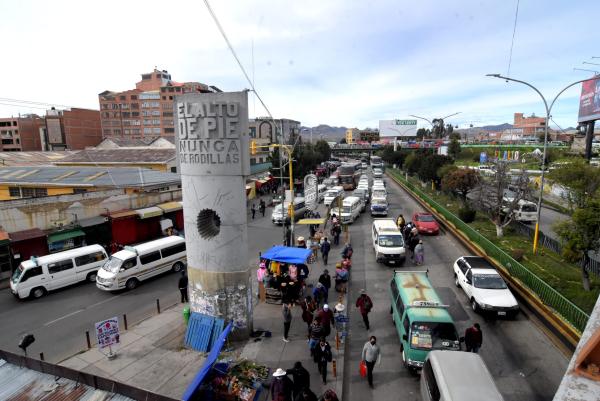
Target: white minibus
(388,242)
(127,268)
(36,276)
(350,211)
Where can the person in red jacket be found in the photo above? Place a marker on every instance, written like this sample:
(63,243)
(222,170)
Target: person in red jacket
(473,338)
(364,304)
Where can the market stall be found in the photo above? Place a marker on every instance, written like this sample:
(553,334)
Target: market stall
(286,273)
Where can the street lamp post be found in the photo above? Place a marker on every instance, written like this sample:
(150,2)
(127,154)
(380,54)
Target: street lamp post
(311,133)
(548,110)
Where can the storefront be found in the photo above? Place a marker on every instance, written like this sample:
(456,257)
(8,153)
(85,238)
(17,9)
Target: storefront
(65,239)
(27,243)
(97,230)
(5,266)
(174,212)
(148,223)
(123,227)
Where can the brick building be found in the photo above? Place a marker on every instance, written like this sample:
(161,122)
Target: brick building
(145,112)
(529,126)
(369,135)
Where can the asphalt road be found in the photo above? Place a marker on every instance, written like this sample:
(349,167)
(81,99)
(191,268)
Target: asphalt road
(524,363)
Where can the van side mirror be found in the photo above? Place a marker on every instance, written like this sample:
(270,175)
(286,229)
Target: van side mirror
(404,337)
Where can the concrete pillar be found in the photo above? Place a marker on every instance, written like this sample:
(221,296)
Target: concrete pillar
(213,157)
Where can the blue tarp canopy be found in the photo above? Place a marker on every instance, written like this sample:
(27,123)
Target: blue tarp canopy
(286,254)
(208,363)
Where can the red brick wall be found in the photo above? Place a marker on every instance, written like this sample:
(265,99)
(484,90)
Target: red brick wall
(81,128)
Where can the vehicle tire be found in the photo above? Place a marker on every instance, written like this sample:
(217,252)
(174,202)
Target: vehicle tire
(474,305)
(131,284)
(91,277)
(177,267)
(37,292)
(456,280)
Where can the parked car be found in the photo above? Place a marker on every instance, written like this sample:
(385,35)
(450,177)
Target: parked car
(425,223)
(486,290)
(363,194)
(379,207)
(281,211)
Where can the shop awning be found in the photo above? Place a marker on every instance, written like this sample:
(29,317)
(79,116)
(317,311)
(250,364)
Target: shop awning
(148,212)
(208,364)
(65,235)
(170,206)
(26,234)
(312,221)
(93,221)
(286,254)
(121,214)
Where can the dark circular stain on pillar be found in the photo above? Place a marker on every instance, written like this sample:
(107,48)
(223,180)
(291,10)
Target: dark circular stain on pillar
(209,223)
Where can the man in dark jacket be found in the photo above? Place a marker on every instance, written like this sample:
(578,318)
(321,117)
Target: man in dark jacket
(301,378)
(327,319)
(306,395)
(183,287)
(325,279)
(364,304)
(473,338)
(322,355)
(325,248)
(281,386)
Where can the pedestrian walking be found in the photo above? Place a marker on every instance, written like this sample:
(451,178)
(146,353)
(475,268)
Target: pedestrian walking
(364,304)
(322,356)
(335,232)
(325,279)
(308,309)
(473,338)
(406,232)
(316,333)
(287,320)
(370,355)
(306,395)
(261,274)
(325,248)
(319,294)
(301,242)
(329,395)
(347,251)
(301,378)
(281,386)
(262,207)
(414,240)
(419,253)
(253,210)
(327,319)
(183,287)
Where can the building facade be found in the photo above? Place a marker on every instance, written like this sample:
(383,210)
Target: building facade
(369,135)
(145,112)
(264,131)
(352,135)
(529,126)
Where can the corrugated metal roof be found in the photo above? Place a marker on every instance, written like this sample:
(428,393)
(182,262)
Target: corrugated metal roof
(120,155)
(22,384)
(74,176)
(32,158)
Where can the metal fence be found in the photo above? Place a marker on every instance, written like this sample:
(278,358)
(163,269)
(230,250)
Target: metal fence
(548,295)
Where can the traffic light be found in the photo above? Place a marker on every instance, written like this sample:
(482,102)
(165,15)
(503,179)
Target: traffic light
(252,148)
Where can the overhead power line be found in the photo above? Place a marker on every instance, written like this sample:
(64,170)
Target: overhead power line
(513,40)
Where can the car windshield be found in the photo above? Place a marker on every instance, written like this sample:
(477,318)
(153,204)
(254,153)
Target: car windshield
(346,179)
(529,208)
(112,265)
(346,209)
(17,274)
(331,194)
(425,217)
(488,282)
(379,202)
(391,241)
(360,194)
(379,194)
(432,335)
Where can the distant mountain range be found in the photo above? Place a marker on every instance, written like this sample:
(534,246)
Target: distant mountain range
(324,131)
(499,127)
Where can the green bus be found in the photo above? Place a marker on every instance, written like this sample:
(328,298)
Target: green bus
(422,321)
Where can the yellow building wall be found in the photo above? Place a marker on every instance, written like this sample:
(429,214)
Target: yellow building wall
(5,195)
(59,191)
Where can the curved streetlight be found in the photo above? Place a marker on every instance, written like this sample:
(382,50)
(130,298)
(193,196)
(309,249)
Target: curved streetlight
(548,110)
(430,122)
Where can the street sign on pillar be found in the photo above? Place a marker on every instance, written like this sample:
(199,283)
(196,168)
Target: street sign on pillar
(310,191)
(213,155)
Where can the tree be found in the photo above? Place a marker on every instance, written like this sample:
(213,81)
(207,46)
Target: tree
(461,181)
(454,148)
(323,150)
(581,235)
(423,133)
(581,179)
(500,194)
(412,163)
(428,169)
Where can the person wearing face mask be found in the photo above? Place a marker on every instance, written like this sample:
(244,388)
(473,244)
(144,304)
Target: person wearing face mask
(371,354)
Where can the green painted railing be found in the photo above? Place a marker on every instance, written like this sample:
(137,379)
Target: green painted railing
(548,295)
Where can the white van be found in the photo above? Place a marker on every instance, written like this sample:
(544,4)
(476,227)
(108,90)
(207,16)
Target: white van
(351,208)
(525,211)
(442,381)
(279,215)
(331,194)
(127,268)
(388,243)
(37,276)
(378,193)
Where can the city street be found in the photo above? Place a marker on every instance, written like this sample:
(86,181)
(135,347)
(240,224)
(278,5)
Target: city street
(524,363)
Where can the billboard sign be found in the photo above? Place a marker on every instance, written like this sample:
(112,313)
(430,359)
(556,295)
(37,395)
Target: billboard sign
(311,195)
(107,332)
(589,102)
(397,128)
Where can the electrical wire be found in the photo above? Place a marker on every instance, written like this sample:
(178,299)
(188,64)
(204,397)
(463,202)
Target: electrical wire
(513,40)
(5,99)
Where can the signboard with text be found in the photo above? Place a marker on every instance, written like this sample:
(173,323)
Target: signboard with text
(311,195)
(107,332)
(589,102)
(212,133)
(397,128)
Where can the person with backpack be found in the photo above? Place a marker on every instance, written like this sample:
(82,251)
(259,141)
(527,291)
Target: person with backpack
(364,304)
(322,356)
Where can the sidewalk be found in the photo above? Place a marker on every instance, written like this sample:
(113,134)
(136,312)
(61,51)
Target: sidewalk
(151,355)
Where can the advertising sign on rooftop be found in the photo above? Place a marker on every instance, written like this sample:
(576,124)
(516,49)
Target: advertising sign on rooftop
(397,128)
(589,102)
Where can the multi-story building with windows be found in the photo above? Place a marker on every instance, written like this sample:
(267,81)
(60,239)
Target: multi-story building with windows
(145,112)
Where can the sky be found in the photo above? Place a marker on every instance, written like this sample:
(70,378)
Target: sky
(342,63)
